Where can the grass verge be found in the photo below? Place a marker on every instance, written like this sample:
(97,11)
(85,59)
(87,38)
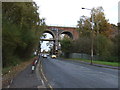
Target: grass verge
(97,62)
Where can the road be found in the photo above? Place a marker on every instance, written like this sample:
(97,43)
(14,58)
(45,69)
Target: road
(71,74)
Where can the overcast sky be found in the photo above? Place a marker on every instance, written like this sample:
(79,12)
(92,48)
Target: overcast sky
(68,12)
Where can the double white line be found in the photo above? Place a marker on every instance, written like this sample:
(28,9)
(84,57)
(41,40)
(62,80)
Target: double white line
(44,77)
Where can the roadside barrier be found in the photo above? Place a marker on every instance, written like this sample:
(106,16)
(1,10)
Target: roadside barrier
(34,64)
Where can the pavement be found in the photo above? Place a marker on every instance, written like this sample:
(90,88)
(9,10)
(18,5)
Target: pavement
(27,79)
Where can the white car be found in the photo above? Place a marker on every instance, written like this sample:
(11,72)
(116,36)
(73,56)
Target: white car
(44,56)
(53,56)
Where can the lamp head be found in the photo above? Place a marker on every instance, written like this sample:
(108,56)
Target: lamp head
(83,8)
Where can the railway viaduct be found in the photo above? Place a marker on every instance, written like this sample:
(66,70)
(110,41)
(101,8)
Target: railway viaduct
(56,32)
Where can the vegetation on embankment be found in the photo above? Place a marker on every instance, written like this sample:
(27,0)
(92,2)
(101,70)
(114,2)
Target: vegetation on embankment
(21,29)
(97,62)
(105,37)
(8,69)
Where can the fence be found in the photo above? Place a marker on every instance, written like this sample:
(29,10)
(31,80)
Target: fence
(82,56)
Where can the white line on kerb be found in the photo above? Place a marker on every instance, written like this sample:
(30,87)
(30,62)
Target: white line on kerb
(50,86)
(43,74)
(45,78)
(43,82)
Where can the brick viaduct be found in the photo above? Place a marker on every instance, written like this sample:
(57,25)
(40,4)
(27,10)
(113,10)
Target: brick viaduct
(56,31)
(70,31)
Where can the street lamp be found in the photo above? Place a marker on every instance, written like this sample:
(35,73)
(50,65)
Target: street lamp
(92,34)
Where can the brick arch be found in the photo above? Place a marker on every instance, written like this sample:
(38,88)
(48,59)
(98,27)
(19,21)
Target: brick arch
(73,30)
(70,34)
(50,32)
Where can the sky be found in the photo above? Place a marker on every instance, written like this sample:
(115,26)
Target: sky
(119,12)
(43,44)
(68,12)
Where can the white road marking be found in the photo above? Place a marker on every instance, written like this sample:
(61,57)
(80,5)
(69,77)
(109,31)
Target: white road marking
(43,74)
(43,82)
(45,78)
(50,86)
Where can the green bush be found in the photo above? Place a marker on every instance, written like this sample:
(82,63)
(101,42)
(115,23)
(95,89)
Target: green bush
(104,46)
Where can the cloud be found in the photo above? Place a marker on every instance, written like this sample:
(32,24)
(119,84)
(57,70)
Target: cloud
(68,12)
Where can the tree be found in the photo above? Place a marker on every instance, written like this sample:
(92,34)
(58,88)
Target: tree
(101,24)
(66,46)
(82,45)
(116,50)
(104,48)
(103,34)
(84,26)
(21,31)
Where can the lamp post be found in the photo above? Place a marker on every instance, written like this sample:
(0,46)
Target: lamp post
(92,34)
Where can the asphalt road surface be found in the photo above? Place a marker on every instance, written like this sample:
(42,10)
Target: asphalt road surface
(70,74)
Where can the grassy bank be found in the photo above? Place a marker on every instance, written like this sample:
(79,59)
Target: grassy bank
(17,62)
(97,62)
